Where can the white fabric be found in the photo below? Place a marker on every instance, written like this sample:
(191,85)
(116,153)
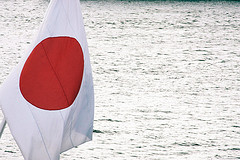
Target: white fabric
(42,134)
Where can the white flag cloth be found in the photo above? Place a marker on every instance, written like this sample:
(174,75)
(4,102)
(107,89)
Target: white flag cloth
(48,99)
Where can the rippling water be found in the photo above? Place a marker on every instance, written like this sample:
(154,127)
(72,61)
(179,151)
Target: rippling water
(166,75)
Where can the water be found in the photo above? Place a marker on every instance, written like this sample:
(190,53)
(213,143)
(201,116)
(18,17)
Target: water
(166,75)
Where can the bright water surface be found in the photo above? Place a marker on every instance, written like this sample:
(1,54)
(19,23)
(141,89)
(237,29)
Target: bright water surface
(166,75)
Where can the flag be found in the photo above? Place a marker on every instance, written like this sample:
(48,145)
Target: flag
(48,99)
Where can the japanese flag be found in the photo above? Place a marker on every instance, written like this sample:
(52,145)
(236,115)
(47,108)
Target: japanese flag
(48,99)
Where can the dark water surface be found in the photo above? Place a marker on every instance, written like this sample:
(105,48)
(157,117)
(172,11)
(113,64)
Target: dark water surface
(166,75)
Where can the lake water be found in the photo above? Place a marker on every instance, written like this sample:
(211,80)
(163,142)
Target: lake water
(166,77)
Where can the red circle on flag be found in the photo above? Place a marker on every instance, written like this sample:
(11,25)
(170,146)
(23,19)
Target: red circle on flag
(52,75)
